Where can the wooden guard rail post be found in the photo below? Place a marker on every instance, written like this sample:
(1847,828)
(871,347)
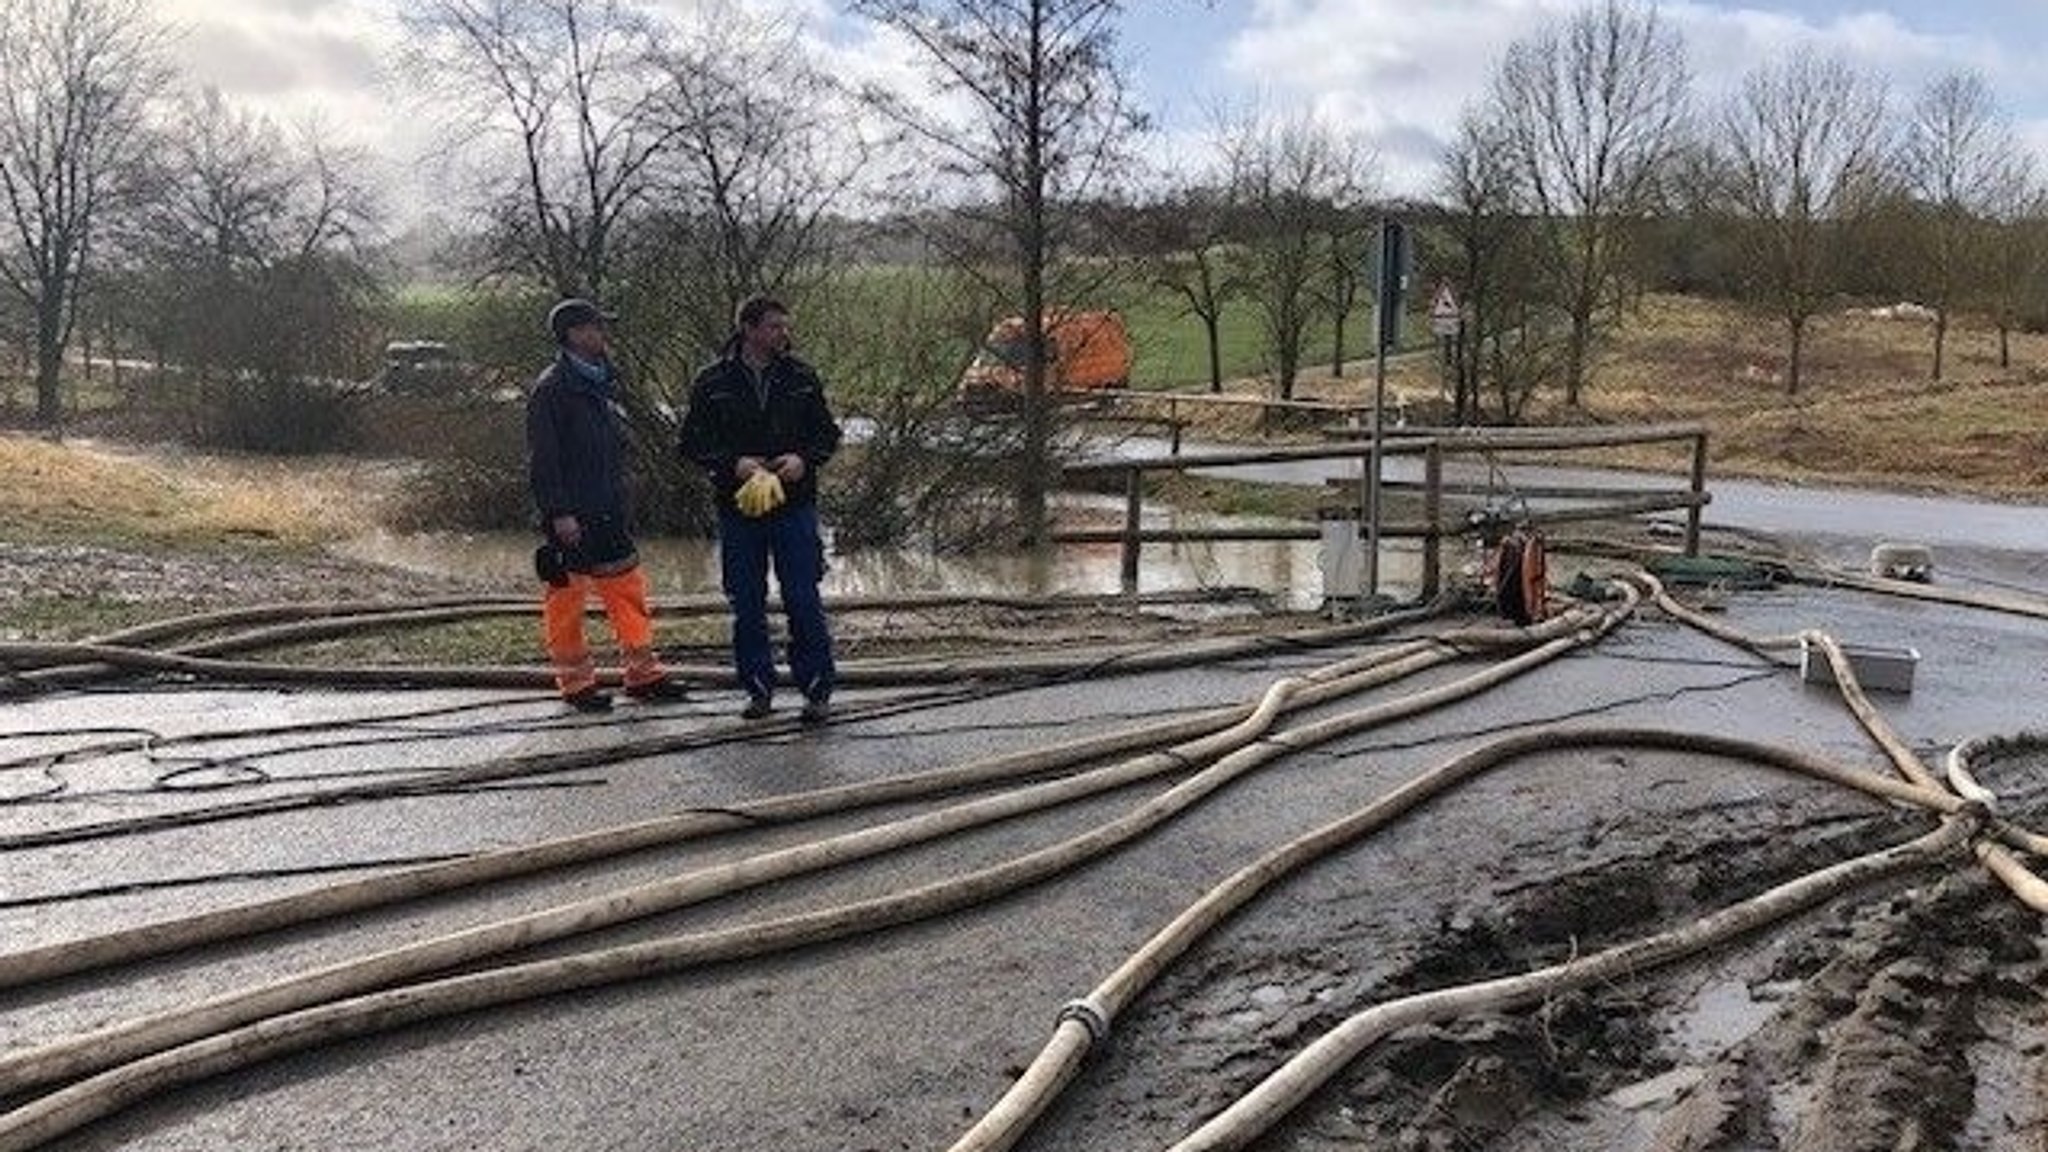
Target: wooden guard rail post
(1699,493)
(1134,500)
(1433,519)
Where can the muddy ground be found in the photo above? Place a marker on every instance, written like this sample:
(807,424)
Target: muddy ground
(1909,1016)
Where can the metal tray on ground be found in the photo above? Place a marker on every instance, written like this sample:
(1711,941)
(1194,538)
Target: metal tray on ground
(1877,668)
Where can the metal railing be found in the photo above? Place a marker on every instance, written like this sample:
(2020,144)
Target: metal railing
(1166,408)
(1433,446)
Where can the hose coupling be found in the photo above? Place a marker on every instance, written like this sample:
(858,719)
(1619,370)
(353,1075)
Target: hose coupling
(1091,1016)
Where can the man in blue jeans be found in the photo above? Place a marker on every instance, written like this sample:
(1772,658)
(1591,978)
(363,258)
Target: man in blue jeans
(758,408)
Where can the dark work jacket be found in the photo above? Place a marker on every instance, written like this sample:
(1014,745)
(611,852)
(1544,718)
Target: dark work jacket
(576,460)
(727,420)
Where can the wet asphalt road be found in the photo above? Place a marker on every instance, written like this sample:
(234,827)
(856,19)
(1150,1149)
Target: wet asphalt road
(896,1040)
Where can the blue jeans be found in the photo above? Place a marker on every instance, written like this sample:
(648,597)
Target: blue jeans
(787,537)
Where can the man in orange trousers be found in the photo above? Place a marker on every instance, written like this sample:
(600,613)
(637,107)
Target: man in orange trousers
(576,467)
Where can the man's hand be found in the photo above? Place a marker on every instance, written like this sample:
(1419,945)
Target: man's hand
(568,530)
(746,466)
(789,469)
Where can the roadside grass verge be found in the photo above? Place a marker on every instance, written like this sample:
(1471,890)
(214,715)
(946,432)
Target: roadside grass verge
(83,491)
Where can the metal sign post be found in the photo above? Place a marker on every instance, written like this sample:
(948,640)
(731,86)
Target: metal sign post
(1389,279)
(1446,320)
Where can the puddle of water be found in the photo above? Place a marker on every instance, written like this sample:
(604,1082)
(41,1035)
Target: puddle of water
(1720,1015)
(1658,1092)
(1288,571)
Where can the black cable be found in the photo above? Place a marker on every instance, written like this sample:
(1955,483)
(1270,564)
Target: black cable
(151,743)
(136,887)
(449,779)
(240,774)
(1537,722)
(142,738)
(58,786)
(1993,582)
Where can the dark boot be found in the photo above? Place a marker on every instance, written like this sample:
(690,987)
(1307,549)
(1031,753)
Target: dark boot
(592,699)
(662,691)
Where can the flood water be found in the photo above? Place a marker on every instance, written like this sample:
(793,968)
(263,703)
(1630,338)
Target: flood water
(1975,541)
(1288,571)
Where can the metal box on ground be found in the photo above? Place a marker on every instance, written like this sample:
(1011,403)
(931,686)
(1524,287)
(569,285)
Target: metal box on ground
(1877,668)
(1342,558)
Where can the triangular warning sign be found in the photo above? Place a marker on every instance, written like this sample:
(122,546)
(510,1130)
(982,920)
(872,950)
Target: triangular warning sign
(1445,306)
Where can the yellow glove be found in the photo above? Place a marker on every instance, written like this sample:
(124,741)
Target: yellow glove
(760,495)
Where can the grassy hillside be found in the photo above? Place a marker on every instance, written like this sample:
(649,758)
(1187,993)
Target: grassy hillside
(1867,412)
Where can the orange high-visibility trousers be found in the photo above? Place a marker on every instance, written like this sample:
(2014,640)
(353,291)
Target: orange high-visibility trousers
(624,596)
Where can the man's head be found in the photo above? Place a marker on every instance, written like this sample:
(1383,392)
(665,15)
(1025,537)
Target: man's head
(764,328)
(580,326)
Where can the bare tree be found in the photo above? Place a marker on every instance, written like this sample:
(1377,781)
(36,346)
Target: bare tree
(260,296)
(1490,264)
(76,81)
(1188,250)
(2016,276)
(1292,180)
(1591,111)
(571,86)
(1962,169)
(1047,130)
(762,151)
(1344,272)
(1802,139)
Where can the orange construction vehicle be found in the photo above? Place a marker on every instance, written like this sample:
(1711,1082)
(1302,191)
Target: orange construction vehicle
(1085,352)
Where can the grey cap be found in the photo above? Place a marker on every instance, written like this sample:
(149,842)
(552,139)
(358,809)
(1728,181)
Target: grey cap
(573,312)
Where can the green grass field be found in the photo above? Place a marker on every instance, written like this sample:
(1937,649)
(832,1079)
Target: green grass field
(1169,345)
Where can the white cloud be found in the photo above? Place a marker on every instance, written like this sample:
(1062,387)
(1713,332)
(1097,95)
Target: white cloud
(1399,72)
(287,56)
(1402,71)
(317,65)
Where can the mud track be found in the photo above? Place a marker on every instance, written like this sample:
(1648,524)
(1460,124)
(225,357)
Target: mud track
(1911,1017)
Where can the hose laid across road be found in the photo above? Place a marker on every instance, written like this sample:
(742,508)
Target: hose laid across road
(958,677)
(1086,1027)
(71,957)
(1086,1022)
(236,1023)
(295,1029)
(37,666)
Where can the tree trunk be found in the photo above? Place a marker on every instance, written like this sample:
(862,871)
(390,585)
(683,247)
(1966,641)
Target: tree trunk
(1337,350)
(49,360)
(2004,346)
(1031,473)
(1575,358)
(1940,339)
(1211,326)
(1796,356)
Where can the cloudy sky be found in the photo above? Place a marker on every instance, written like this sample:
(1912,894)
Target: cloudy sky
(1399,71)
